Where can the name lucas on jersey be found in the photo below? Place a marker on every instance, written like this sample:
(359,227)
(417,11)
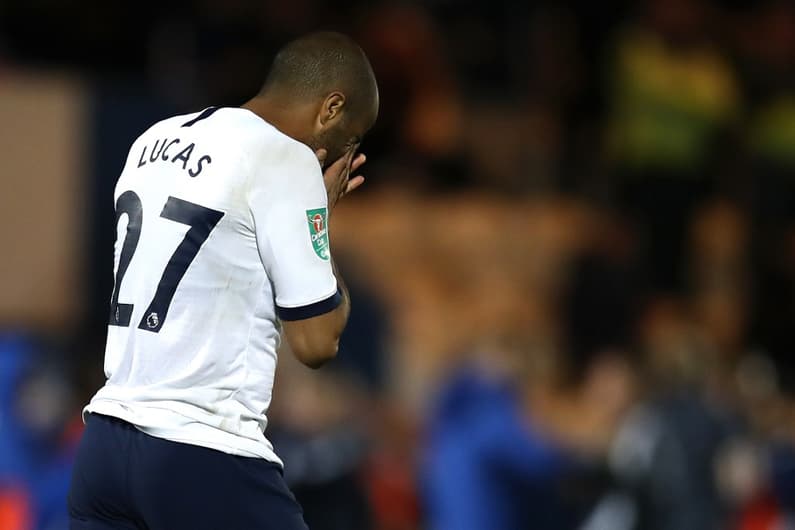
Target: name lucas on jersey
(160,153)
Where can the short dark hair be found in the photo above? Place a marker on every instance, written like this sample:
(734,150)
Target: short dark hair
(319,63)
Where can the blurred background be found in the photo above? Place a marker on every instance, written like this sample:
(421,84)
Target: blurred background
(572,265)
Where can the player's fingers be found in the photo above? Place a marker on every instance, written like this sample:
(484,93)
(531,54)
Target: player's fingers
(354,183)
(339,166)
(349,157)
(358,161)
(348,169)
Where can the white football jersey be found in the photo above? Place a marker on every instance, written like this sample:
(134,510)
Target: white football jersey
(221,232)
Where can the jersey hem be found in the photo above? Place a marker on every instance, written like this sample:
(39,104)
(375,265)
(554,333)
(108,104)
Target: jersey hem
(192,433)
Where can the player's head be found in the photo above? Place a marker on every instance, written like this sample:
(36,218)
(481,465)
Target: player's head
(329,74)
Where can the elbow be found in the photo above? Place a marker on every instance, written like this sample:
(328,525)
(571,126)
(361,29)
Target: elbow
(319,358)
(316,355)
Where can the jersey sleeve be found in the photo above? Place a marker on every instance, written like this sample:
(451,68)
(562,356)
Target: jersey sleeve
(287,199)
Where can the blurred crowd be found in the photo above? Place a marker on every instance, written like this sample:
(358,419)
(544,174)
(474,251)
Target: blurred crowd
(572,265)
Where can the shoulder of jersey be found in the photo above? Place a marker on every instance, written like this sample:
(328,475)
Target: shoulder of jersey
(272,143)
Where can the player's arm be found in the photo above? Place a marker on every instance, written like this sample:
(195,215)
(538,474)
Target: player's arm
(315,340)
(290,206)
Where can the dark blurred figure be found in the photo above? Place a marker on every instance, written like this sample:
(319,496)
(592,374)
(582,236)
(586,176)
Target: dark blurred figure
(665,452)
(38,435)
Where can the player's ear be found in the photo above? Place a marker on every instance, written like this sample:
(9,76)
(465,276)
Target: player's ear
(332,109)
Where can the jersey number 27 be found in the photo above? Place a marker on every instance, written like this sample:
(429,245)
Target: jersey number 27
(201,220)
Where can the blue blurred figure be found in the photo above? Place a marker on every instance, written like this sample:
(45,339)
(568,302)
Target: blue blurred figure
(37,439)
(484,466)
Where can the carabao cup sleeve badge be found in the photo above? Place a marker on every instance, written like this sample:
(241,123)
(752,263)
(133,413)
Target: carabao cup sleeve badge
(318,231)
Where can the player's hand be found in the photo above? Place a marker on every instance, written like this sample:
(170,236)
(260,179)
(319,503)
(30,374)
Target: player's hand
(338,175)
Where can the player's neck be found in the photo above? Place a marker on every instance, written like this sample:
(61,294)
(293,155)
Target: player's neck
(281,115)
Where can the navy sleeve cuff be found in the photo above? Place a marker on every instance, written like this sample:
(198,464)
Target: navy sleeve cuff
(312,310)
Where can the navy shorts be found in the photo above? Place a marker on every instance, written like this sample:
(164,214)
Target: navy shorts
(126,479)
